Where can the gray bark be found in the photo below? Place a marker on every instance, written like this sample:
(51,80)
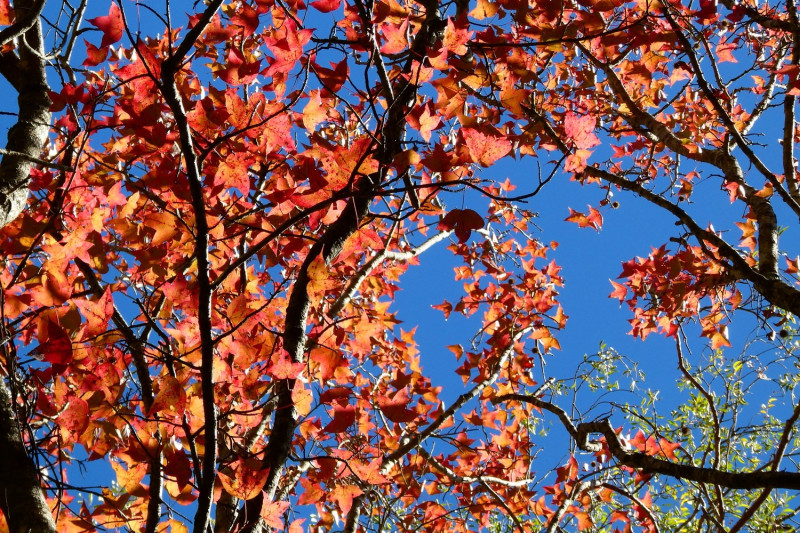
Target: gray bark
(21,498)
(26,73)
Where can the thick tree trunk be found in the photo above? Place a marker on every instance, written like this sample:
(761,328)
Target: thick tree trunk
(21,498)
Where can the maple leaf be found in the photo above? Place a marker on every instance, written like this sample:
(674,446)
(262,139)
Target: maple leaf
(424,119)
(178,466)
(111,25)
(6,13)
(593,220)
(130,478)
(719,338)
(57,348)
(272,513)
(326,6)
(238,69)
(344,495)
(462,222)
(284,368)
(315,111)
(94,55)
(326,362)
(334,394)
(343,418)
(620,291)
(171,397)
(456,36)
(395,37)
(486,145)
(297,526)
(75,416)
(584,521)
(395,407)
(580,128)
(233,173)
(668,448)
(98,313)
(245,480)
(165,226)
(725,51)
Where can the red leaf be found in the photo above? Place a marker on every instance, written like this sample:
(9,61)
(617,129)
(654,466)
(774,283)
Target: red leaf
(326,6)
(395,408)
(94,55)
(462,222)
(620,291)
(424,119)
(343,418)
(178,466)
(580,129)
(75,417)
(284,368)
(334,394)
(485,147)
(57,349)
(111,25)
(332,78)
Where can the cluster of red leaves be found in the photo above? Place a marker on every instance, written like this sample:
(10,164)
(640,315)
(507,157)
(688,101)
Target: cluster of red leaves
(663,289)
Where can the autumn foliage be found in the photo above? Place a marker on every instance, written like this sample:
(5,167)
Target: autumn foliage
(198,301)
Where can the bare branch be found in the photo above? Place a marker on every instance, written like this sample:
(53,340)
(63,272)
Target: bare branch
(369,266)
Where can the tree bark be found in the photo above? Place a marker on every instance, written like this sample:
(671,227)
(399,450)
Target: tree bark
(21,498)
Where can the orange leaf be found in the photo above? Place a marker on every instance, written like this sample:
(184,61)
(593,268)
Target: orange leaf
(98,313)
(584,521)
(395,37)
(284,368)
(6,14)
(593,220)
(171,397)
(245,480)
(343,495)
(620,291)
(130,478)
(272,513)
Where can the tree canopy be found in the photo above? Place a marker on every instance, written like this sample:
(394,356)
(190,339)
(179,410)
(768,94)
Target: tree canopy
(207,210)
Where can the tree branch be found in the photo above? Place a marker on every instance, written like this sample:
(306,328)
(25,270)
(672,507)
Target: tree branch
(369,266)
(652,465)
(205,290)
